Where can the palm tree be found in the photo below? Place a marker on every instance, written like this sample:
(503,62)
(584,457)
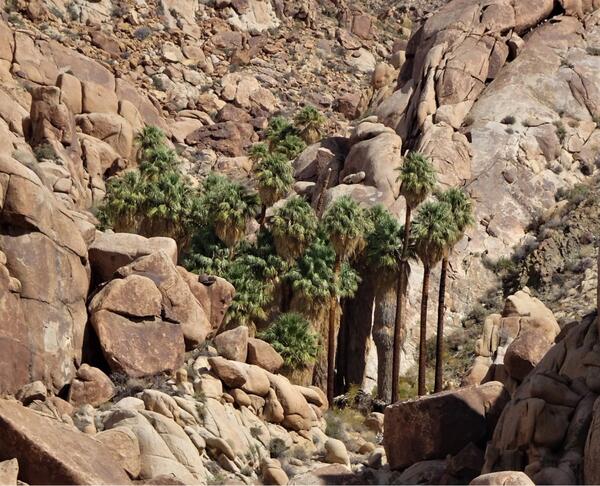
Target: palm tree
(433,230)
(229,207)
(279,128)
(291,146)
(462,213)
(346,226)
(274,175)
(125,197)
(309,121)
(382,255)
(258,151)
(156,161)
(418,178)
(291,336)
(149,138)
(294,227)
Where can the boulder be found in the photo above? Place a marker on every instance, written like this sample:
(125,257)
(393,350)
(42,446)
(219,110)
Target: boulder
(32,391)
(444,423)
(52,453)
(504,478)
(110,128)
(155,456)
(272,473)
(336,452)
(297,412)
(90,386)
(139,348)
(97,99)
(334,474)
(111,251)
(9,470)
(178,303)
(524,353)
(43,284)
(262,354)
(134,296)
(249,378)
(214,294)
(124,444)
(233,344)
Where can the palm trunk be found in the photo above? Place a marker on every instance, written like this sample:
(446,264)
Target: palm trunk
(423,336)
(263,216)
(399,326)
(383,336)
(439,349)
(331,336)
(321,196)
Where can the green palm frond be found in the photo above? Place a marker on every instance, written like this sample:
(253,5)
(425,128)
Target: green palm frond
(291,336)
(461,206)
(346,226)
(274,175)
(294,227)
(418,178)
(432,231)
(384,241)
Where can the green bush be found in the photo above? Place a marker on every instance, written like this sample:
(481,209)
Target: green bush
(291,336)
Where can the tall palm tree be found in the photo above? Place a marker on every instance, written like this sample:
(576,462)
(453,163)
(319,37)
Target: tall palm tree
(310,122)
(418,178)
(382,255)
(294,227)
(433,230)
(258,151)
(274,175)
(346,226)
(229,206)
(462,213)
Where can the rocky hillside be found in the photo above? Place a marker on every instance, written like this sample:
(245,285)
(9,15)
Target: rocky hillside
(129,357)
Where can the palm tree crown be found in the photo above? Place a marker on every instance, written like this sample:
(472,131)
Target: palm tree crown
(432,230)
(346,225)
(461,206)
(384,241)
(294,227)
(150,137)
(418,178)
(229,206)
(310,122)
(274,175)
(258,151)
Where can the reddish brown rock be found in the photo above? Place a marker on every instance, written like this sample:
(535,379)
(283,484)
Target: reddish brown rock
(434,426)
(139,348)
(97,99)
(90,386)
(124,444)
(233,344)
(51,453)
(134,295)
(525,352)
(251,379)
(262,354)
(214,294)
(178,303)
(111,251)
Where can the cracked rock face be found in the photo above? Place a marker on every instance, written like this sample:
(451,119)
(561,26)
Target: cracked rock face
(506,103)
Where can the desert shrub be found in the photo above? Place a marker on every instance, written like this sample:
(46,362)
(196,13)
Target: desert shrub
(292,337)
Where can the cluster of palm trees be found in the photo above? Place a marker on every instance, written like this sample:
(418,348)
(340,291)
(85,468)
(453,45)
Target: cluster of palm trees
(291,276)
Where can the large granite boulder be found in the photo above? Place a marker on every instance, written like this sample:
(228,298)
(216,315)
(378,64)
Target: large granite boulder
(49,452)
(111,251)
(46,273)
(90,386)
(262,354)
(233,344)
(178,302)
(435,426)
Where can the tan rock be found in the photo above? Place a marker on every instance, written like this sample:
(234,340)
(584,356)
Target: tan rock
(441,424)
(48,451)
(250,378)
(134,295)
(272,473)
(336,452)
(97,99)
(505,478)
(525,352)
(233,344)
(111,251)
(139,348)
(109,127)
(9,470)
(124,444)
(90,386)
(262,354)
(178,303)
